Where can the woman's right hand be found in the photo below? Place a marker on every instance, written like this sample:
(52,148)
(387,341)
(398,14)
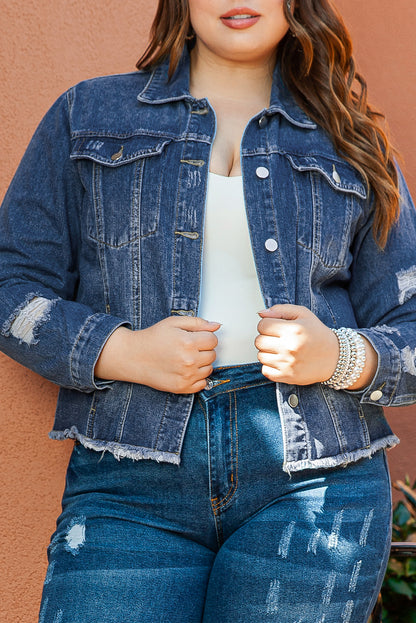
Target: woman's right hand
(173,355)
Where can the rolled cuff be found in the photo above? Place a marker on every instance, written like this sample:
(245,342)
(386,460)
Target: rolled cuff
(87,349)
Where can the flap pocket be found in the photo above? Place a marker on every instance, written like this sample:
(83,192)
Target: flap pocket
(339,174)
(332,196)
(116,151)
(122,178)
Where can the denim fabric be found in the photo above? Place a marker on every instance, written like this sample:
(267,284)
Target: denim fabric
(227,536)
(103,226)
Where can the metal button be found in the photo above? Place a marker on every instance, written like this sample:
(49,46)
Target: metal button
(210,384)
(183,312)
(118,154)
(271,244)
(262,172)
(293,401)
(376,395)
(200,111)
(263,121)
(335,175)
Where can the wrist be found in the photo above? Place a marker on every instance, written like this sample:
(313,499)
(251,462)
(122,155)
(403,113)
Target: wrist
(113,362)
(370,368)
(357,361)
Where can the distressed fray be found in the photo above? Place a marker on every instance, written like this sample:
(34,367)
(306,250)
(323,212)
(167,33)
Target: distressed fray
(5,330)
(25,333)
(118,450)
(121,451)
(342,459)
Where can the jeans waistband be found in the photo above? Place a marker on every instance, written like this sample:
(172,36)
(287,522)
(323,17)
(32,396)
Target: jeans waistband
(232,378)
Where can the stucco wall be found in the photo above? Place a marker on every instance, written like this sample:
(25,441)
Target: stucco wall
(46,47)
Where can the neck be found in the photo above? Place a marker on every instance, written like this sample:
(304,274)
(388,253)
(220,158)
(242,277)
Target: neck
(216,77)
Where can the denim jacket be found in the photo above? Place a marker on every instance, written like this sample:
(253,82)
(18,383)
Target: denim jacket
(102,226)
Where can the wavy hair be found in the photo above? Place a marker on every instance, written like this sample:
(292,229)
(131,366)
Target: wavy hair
(318,67)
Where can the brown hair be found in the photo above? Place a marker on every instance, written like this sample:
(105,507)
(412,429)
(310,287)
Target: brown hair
(319,69)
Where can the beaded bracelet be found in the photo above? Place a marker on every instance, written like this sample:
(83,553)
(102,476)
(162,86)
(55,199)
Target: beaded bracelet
(351,360)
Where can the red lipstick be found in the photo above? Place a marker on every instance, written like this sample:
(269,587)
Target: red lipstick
(240,18)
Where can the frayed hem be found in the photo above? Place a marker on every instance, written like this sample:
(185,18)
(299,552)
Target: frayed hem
(342,459)
(118,450)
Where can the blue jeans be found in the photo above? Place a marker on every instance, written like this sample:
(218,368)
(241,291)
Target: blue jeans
(225,537)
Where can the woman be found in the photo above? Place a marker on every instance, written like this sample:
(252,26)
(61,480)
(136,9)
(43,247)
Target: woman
(153,215)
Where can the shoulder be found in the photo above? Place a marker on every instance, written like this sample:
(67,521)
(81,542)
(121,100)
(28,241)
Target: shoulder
(112,87)
(106,103)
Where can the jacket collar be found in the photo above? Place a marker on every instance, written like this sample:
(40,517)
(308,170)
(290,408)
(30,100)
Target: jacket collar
(160,90)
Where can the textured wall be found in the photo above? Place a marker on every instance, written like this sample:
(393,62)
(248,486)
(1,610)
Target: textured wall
(46,47)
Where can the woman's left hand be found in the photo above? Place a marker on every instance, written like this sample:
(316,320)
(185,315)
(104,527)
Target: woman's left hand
(294,346)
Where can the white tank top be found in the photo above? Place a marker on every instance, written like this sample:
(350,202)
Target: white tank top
(230,291)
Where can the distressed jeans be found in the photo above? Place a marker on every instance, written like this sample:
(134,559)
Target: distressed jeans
(225,537)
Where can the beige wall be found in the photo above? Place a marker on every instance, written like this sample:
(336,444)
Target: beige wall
(46,47)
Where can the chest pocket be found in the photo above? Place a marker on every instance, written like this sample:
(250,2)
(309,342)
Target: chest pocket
(123,179)
(331,195)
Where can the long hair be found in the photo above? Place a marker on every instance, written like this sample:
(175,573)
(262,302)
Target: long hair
(318,67)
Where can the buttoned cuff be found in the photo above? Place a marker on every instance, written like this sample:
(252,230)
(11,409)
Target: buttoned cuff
(382,389)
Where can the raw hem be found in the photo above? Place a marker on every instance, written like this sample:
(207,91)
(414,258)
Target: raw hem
(342,459)
(118,450)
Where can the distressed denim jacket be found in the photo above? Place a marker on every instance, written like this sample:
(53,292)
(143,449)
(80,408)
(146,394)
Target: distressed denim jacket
(102,226)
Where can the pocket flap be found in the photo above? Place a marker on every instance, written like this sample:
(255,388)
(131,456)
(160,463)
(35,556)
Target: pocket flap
(115,151)
(339,174)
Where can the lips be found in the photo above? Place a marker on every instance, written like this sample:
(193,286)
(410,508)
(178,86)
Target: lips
(240,17)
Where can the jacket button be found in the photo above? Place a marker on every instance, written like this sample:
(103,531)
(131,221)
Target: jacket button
(376,395)
(262,172)
(118,154)
(263,121)
(293,401)
(209,385)
(335,175)
(271,244)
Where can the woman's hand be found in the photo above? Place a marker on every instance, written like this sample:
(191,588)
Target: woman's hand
(174,355)
(295,347)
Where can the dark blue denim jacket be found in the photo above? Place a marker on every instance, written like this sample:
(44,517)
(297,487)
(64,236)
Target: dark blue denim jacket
(102,226)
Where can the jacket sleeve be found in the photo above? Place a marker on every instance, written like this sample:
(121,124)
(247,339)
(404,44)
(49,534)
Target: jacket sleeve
(383,294)
(41,325)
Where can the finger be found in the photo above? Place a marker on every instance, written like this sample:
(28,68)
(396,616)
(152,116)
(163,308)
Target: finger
(198,386)
(269,360)
(206,358)
(284,312)
(188,323)
(200,381)
(271,373)
(205,371)
(267,344)
(205,341)
(272,326)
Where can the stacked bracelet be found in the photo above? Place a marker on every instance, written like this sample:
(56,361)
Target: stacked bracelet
(351,360)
